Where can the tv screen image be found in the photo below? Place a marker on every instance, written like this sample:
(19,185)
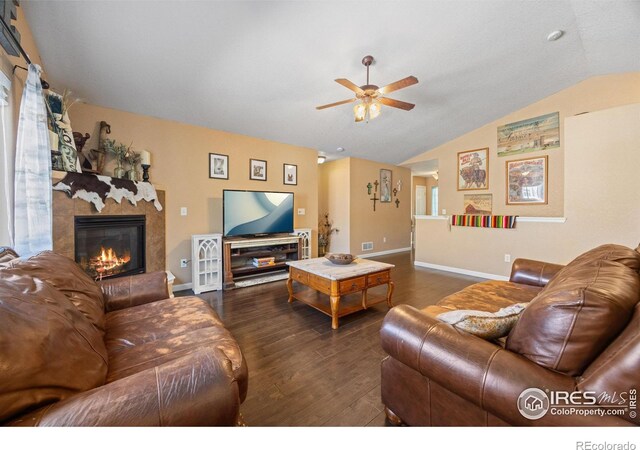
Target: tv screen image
(247,213)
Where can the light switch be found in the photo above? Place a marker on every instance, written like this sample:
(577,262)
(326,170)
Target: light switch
(301,211)
(183,211)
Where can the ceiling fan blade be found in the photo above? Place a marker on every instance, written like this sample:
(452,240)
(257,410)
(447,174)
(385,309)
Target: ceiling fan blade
(400,84)
(396,103)
(336,103)
(349,85)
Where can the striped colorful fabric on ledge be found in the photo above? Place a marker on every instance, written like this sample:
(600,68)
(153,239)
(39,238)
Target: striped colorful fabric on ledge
(464,220)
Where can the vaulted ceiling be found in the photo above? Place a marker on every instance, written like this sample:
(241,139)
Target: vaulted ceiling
(260,68)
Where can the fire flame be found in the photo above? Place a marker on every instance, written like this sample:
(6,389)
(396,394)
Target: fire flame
(107,262)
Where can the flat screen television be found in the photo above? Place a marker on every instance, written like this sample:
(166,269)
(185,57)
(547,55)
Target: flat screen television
(251,213)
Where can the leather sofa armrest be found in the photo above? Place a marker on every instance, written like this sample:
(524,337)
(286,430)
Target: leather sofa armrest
(534,273)
(125,292)
(477,370)
(196,390)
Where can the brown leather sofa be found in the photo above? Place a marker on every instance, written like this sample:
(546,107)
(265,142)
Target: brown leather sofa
(74,352)
(580,333)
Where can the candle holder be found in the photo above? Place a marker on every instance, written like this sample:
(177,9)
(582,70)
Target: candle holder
(145,172)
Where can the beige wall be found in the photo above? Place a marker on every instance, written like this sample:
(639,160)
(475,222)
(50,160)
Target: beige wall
(386,223)
(10,115)
(333,198)
(601,198)
(591,95)
(343,190)
(180,164)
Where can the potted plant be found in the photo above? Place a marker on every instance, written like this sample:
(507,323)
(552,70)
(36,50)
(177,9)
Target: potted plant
(119,152)
(325,230)
(133,159)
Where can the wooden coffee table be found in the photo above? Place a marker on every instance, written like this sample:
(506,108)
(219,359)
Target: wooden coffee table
(323,276)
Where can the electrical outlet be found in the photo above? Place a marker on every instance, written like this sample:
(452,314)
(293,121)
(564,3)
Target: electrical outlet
(507,257)
(444,212)
(184,262)
(301,211)
(183,211)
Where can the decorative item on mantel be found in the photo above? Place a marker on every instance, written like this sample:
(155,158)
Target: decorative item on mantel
(133,159)
(145,160)
(80,141)
(64,153)
(99,155)
(96,189)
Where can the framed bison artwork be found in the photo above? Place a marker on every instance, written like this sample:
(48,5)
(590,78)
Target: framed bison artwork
(473,169)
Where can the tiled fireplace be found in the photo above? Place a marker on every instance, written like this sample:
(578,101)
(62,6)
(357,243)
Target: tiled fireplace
(148,254)
(110,246)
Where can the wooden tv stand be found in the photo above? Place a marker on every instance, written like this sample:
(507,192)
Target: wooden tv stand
(238,254)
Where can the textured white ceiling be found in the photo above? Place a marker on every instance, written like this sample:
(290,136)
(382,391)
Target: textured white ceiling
(260,68)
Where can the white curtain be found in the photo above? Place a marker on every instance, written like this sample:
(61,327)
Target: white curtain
(7,161)
(33,228)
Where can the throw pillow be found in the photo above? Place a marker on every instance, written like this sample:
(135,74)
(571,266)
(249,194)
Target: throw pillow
(484,324)
(48,349)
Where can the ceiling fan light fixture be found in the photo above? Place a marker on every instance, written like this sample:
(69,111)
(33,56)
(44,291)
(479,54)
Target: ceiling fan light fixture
(359,112)
(374,110)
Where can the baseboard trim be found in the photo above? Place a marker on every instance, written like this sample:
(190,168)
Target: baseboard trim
(385,252)
(473,273)
(182,287)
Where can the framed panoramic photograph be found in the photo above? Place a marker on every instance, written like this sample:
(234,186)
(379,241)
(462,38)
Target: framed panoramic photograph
(290,174)
(218,166)
(473,169)
(385,185)
(529,135)
(257,170)
(478,204)
(527,181)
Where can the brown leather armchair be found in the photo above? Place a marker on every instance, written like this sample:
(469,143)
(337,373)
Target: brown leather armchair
(114,353)
(580,332)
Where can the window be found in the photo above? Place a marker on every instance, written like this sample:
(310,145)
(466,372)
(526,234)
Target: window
(434,201)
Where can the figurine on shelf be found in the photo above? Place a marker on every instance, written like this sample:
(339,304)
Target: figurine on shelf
(80,141)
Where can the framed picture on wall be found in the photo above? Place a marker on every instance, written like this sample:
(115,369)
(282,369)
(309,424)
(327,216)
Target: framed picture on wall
(290,174)
(385,186)
(257,170)
(527,181)
(473,170)
(529,135)
(218,166)
(478,204)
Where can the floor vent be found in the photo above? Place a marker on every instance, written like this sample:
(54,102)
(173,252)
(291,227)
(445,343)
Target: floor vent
(366,246)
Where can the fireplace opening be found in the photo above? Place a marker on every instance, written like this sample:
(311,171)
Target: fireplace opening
(110,246)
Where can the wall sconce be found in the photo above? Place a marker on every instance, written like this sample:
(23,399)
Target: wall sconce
(321,159)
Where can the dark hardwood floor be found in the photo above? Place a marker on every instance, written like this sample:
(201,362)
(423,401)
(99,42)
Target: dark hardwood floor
(303,373)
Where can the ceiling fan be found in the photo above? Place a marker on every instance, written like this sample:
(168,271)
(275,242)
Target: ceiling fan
(372,96)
